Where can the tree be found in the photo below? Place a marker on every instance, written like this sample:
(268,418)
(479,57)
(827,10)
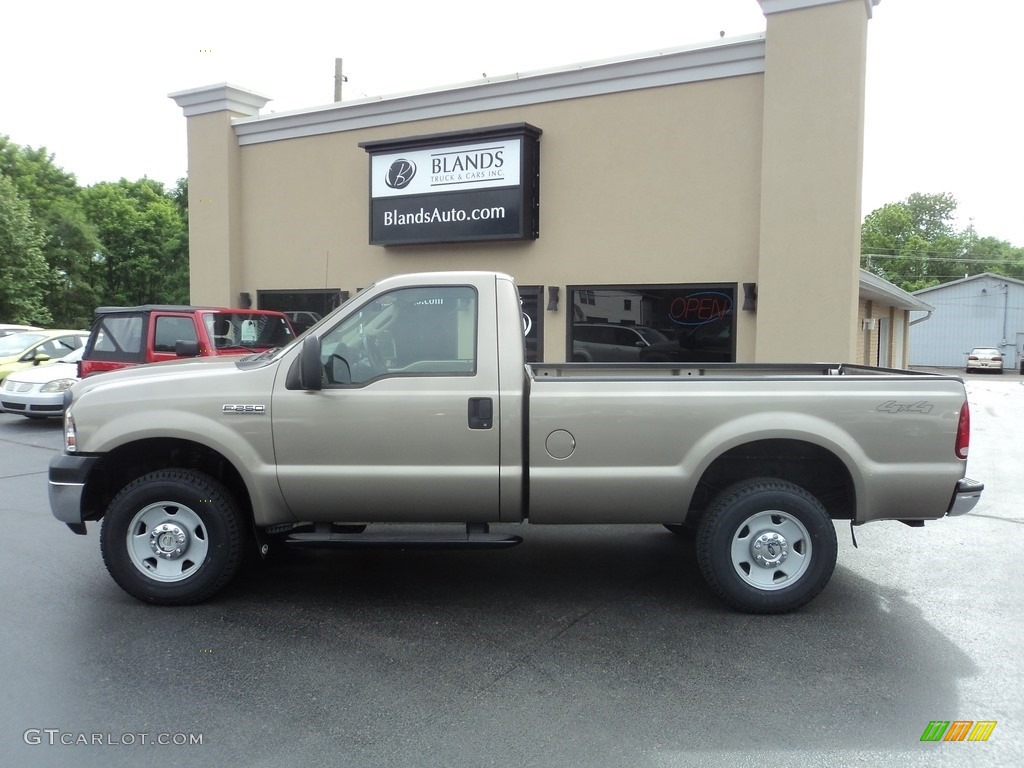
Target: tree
(74,286)
(143,241)
(113,243)
(914,244)
(24,269)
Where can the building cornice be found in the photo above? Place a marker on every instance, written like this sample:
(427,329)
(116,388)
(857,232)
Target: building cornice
(222,97)
(876,288)
(778,6)
(730,58)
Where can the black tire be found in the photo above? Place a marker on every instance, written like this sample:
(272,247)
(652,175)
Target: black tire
(766,546)
(172,537)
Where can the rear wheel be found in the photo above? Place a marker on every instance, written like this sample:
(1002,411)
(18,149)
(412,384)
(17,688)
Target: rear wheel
(172,537)
(766,546)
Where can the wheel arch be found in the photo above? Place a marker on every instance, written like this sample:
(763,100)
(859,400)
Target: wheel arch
(125,463)
(817,468)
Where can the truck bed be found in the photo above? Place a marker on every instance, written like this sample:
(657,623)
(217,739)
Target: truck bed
(632,443)
(620,371)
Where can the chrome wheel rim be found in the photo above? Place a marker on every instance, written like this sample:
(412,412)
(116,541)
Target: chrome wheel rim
(771,550)
(167,541)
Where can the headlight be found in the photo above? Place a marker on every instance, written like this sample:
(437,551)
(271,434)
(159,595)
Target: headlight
(59,385)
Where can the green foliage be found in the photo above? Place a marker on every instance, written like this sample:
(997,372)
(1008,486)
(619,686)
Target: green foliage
(22,264)
(914,244)
(144,241)
(113,243)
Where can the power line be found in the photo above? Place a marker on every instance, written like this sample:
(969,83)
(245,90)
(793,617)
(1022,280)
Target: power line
(959,259)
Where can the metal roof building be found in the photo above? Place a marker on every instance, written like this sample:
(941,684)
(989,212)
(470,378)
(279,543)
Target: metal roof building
(985,310)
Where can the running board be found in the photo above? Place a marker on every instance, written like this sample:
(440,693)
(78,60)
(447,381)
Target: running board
(475,537)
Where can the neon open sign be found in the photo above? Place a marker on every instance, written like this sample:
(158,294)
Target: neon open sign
(700,308)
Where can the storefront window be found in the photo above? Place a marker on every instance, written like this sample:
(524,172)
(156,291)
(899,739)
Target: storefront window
(302,307)
(533,321)
(653,324)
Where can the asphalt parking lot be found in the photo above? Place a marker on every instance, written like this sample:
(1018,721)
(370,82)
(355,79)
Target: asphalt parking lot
(594,646)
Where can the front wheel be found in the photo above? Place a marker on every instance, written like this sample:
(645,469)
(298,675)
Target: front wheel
(172,537)
(767,546)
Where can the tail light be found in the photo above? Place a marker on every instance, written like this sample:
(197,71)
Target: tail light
(972,357)
(963,432)
(997,359)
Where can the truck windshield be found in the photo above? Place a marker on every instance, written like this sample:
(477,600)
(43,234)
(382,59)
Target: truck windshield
(236,330)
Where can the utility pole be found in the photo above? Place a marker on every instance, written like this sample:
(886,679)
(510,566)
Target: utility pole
(339,78)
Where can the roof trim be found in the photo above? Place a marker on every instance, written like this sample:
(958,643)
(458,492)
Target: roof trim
(731,58)
(221,97)
(971,278)
(778,6)
(879,289)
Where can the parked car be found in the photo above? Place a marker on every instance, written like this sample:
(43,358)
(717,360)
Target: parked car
(611,343)
(985,359)
(6,329)
(614,343)
(31,348)
(302,319)
(127,336)
(38,393)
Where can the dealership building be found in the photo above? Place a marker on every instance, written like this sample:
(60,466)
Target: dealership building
(696,204)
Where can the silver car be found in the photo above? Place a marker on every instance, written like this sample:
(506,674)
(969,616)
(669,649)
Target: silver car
(985,359)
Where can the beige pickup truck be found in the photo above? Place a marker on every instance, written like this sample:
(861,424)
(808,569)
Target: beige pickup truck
(412,404)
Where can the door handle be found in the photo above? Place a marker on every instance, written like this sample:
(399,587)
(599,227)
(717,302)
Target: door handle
(481,413)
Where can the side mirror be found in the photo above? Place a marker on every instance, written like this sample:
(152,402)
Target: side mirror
(39,357)
(183,348)
(338,370)
(311,370)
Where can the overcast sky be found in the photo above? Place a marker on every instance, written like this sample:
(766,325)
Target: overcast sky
(89,80)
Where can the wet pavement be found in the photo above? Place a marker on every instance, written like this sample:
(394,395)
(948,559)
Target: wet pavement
(596,646)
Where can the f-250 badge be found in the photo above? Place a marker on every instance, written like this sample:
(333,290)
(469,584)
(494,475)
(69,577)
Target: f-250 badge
(891,406)
(255,410)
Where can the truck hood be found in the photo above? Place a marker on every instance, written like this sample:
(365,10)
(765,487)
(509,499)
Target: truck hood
(164,375)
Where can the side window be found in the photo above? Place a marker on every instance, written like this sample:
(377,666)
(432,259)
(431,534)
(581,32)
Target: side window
(119,334)
(171,329)
(411,331)
(57,348)
(624,337)
(585,333)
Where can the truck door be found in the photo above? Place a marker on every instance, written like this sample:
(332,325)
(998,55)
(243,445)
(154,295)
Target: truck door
(165,331)
(406,425)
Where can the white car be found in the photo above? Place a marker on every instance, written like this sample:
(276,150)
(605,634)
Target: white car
(6,329)
(38,393)
(985,359)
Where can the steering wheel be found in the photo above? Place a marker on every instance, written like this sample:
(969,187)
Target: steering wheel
(373,354)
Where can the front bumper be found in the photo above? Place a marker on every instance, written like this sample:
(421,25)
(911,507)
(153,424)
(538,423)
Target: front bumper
(33,403)
(68,474)
(965,497)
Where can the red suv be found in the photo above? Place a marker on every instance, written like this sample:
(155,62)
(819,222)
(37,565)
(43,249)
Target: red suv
(124,336)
